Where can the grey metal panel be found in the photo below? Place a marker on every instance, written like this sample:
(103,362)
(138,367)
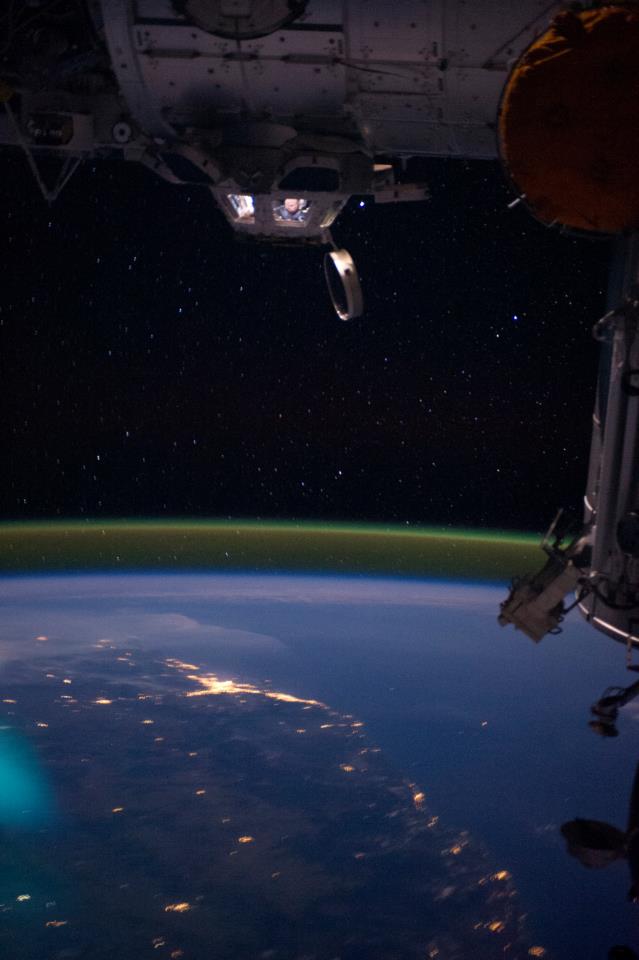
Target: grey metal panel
(396,108)
(259,87)
(479,32)
(317,13)
(465,96)
(287,74)
(180,39)
(418,138)
(395,89)
(397,137)
(122,38)
(453,115)
(322,12)
(292,43)
(408,79)
(472,95)
(438,54)
(396,69)
(183,38)
(403,31)
(155,9)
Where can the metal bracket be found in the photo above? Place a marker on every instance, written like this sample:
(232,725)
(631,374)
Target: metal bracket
(69,165)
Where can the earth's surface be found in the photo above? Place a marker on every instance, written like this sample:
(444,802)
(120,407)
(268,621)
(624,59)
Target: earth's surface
(287,767)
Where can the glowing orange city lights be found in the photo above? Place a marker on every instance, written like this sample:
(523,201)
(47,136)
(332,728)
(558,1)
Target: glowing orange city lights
(212,686)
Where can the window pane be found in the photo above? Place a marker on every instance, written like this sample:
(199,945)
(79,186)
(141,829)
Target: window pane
(243,205)
(291,210)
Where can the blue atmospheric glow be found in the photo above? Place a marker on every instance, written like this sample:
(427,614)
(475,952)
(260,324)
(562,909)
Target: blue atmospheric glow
(24,795)
(469,712)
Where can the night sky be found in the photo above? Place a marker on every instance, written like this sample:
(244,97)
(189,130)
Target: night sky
(152,366)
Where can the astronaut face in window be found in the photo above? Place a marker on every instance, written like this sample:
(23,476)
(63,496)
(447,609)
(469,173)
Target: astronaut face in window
(292,209)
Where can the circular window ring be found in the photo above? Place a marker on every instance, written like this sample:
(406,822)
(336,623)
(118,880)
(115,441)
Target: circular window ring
(343,284)
(259,18)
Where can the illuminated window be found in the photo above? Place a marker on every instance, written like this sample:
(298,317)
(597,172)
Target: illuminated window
(243,206)
(291,210)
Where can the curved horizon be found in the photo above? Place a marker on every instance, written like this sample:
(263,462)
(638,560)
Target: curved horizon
(43,546)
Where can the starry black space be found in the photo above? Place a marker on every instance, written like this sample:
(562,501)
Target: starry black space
(152,366)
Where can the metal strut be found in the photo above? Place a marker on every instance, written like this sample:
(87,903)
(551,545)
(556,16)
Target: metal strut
(69,166)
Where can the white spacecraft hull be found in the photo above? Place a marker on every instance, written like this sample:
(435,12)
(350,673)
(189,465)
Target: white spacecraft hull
(407,78)
(612,494)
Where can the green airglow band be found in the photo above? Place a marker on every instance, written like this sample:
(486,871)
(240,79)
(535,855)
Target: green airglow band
(232,546)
